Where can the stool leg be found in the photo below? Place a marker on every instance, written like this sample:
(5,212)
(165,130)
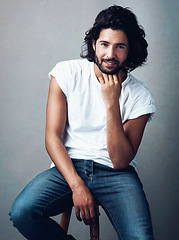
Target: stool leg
(94,231)
(65,219)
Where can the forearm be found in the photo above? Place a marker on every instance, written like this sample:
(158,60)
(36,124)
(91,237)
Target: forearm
(82,198)
(119,147)
(62,161)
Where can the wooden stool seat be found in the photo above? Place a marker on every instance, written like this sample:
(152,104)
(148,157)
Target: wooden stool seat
(65,220)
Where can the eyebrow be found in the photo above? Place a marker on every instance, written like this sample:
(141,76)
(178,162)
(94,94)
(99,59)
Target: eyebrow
(117,44)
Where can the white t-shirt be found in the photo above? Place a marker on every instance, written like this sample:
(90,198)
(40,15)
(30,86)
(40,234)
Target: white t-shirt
(85,132)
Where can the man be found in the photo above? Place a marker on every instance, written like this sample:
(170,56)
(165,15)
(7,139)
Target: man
(96,115)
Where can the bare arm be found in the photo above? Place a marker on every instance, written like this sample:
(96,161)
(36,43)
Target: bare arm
(56,115)
(122,140)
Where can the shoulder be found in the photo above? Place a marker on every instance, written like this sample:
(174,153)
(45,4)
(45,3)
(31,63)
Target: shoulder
(71,74)
(70,68)
(136,88)
(136,99)
(73,65)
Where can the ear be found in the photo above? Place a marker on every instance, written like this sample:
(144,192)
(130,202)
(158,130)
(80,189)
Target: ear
(94,45)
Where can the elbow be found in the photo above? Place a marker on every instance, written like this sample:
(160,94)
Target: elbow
(46,145)
(48,141)
(121,160)
(120,163)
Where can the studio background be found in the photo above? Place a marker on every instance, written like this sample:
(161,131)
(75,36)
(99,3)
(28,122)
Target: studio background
(34,36)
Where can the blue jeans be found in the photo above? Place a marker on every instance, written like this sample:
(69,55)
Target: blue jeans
(119,193)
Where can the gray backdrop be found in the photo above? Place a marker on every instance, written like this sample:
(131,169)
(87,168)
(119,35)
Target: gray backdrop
(35,35)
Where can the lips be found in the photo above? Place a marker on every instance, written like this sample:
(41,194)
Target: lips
(109,63)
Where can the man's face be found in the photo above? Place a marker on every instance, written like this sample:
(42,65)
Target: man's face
(111,51)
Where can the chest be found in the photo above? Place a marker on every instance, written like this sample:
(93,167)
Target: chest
(86,109)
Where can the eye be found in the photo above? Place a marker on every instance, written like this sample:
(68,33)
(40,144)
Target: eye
(104,44)
(120,46)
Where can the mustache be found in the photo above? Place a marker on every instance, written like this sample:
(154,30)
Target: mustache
(109,60)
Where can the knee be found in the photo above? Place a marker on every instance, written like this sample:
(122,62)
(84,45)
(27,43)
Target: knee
(21,212)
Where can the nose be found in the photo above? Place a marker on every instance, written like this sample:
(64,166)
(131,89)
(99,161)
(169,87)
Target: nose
(111,53)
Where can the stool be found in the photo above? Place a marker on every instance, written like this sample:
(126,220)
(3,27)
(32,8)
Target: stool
(65,220)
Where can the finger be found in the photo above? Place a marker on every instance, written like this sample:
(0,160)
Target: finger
(110,77)
(94,212)
(86,217)
(94,217)
(106,77)
(115,78)
(83,216)
(87,220)
(77,211)
(101,80)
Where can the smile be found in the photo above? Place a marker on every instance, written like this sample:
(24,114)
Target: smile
(110,63)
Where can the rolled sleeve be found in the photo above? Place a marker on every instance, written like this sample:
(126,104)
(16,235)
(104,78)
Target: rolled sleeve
(58,73)
(144,104)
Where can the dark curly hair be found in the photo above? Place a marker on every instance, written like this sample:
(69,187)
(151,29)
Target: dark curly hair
(118,18)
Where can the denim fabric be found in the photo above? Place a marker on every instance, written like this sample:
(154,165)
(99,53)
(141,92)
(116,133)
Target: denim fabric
(119,193)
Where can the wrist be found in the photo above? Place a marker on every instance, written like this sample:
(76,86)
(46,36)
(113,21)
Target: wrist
(113,107)
(77,182)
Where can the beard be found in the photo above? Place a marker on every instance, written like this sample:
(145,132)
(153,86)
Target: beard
(109,70)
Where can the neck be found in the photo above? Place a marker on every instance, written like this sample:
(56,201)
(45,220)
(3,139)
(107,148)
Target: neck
(122,73)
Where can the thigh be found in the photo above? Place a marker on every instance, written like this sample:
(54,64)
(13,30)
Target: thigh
(48,194)
(122,197)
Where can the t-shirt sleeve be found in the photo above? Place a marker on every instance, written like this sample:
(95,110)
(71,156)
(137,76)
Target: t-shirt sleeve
(143,104)
(59,74)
